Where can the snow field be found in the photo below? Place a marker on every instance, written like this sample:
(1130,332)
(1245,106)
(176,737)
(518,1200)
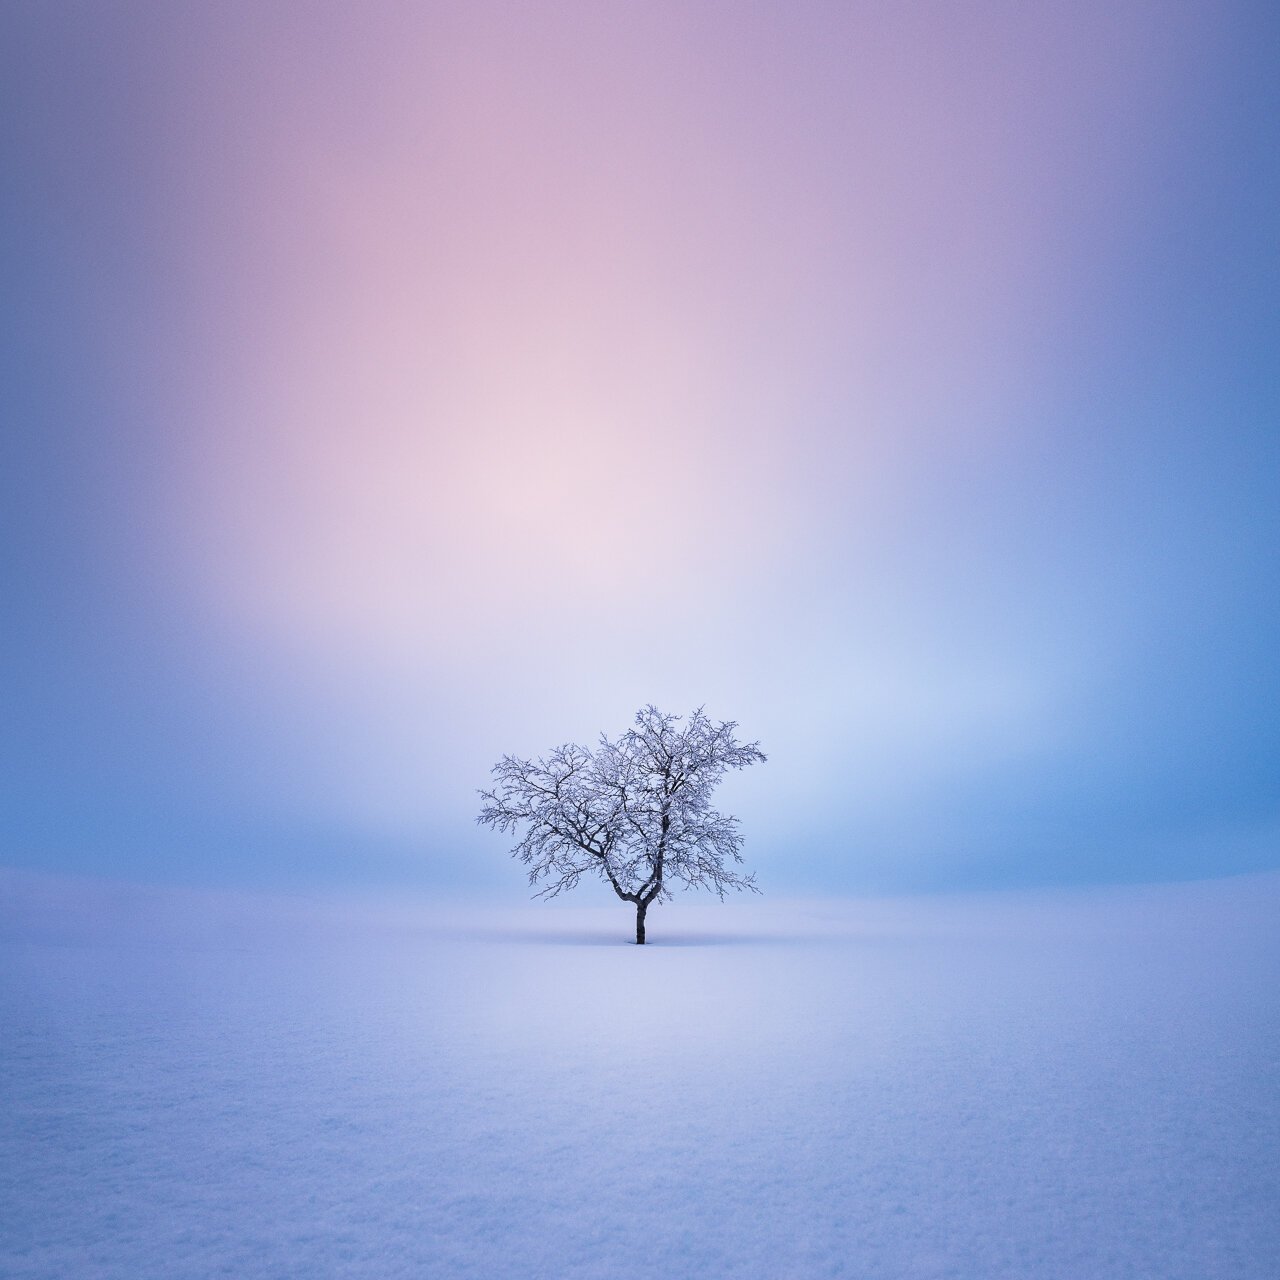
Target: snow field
(1074,1084)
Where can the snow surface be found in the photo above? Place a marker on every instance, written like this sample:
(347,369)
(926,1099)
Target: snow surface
(1073,1084)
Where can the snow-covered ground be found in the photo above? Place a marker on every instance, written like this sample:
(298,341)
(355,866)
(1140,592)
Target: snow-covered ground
(1075,1084)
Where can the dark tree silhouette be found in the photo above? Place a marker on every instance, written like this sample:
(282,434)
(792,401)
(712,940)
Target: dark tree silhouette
(636,811)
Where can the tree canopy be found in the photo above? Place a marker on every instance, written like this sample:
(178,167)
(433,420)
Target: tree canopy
(636,811)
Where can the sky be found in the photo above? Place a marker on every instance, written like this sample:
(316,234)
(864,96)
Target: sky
(386,388)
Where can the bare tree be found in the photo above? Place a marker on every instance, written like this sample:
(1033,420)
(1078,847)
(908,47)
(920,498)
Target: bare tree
(636,811)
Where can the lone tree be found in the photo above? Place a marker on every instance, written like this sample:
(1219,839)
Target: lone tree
(636,811)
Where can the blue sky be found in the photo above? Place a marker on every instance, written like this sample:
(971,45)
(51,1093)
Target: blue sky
(384,392)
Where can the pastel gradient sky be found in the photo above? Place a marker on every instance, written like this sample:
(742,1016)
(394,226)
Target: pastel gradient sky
(390,386)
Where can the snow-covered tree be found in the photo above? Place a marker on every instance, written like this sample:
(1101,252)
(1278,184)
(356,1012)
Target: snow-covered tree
(636,811)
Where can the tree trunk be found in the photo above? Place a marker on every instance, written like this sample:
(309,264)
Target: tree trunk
(641,908)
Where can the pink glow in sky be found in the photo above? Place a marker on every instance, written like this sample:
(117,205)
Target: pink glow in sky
(558,310)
